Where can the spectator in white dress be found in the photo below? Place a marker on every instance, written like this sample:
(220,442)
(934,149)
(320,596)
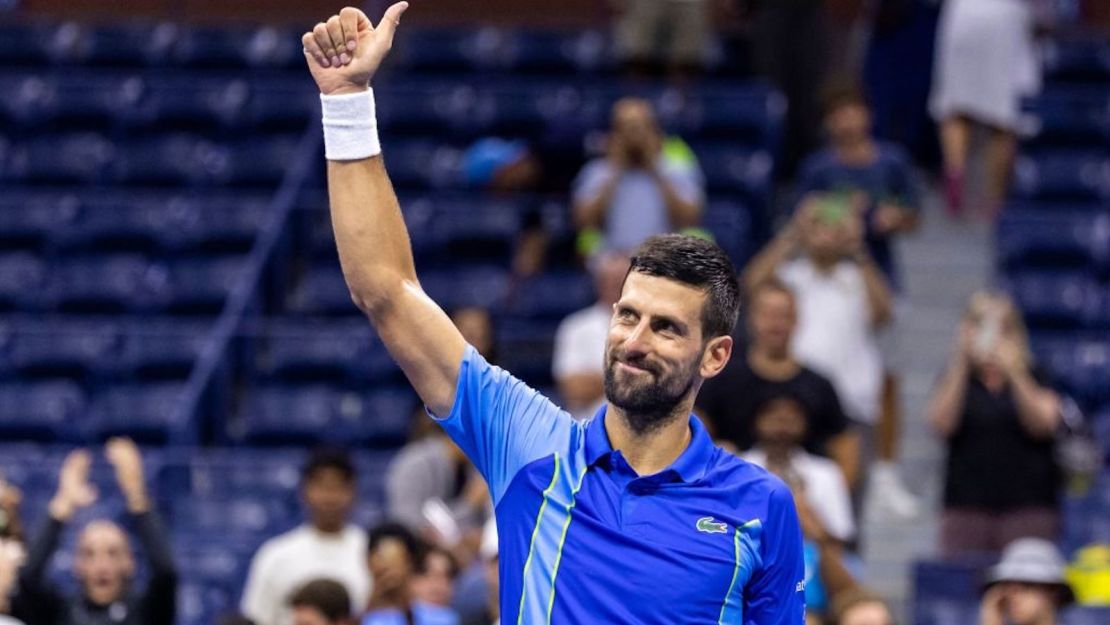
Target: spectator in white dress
(985,64)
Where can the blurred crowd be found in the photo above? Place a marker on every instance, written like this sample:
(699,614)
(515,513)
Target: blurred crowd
(811,393)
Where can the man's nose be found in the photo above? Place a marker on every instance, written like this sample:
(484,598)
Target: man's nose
(637,341)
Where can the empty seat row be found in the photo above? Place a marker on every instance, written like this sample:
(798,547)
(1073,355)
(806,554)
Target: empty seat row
(1063,175)
(1059,238)
(1079,365)
(60,222)
(1076,117)
(180,160)
(1082,60)
(118,283)
(1056,299)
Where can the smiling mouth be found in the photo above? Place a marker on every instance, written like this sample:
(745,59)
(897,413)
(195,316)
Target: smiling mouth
(632,367)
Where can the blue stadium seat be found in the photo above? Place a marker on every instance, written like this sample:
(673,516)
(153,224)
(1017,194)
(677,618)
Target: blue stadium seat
(38,102)
(172,160)
(211,47)
(730,223)
(551,295)
(946,612)
(162,349)
(114,227)
(27,220)
(275,105)
(191,104)
(41,411)
(21,275)
(107,284)
(524,347)
(423,164)
(1069,175)
(261,161)
(25,44)
(302,414)
(446,51)
(1078,365)
(532,51)
(751,115)
(1051,299)
(321,291)
(486,286)
(127,45)
(1057,239)
(202,285)
(1077,60)
(458,231)
(1070,118)
(73,158)
(1101,424)
(344,351)
(64,348)
(234,472)
(241,515)
(145,412)
(1086,616)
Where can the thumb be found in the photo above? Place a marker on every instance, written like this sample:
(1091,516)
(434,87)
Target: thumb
(389,22)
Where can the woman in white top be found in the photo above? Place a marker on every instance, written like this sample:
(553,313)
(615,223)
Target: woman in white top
(986,63)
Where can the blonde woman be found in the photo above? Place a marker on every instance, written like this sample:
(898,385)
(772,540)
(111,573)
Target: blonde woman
(998,416)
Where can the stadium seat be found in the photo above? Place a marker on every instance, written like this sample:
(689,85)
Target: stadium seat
(28,220)
(524,347)
(124,46)
(174,160)
(107,284)
(321,291)
(1077,61)
(64,348)
(730,169)
(275,105)
(41,411)
(344,352)
(21,275)
(201,286)
(242,515)
(1051,299)
(25,44)
(72,158)
(1068,175)
(423,164)
(283,415)
(485,286)
(1086,616)
(234,472)
(1077,117)
(730,223)
(148,413)
(446,51)
(260,161)
(551,295)
(547,52)
(162,349)
(942,612)
(1078,365)
(1052,239)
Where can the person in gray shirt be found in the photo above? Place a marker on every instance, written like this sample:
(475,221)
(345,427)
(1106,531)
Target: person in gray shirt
(636,191)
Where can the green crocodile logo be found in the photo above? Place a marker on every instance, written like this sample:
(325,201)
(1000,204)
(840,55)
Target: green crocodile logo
(709,526)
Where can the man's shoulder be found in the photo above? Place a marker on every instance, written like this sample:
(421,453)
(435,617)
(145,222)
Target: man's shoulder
(737,472)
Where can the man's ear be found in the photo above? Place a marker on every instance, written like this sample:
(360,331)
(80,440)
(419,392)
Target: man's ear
(717,353)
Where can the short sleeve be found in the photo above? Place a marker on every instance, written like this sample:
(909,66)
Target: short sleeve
(776,593)
(589,181)
(501,423)
(687,183)
(830,419)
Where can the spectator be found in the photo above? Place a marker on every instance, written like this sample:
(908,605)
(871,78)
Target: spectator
(434,583)
(327,545)
(986,63)
(860,607)
(478,592)
(434,469)
(1027,587)
(663,34)
(842,301)
(321,602)
(636,191)
(768,369)
(11,524)
(855,163)
(578,359)
(998,416)
(393,557)
(103,563)
(780,426)
(11,558)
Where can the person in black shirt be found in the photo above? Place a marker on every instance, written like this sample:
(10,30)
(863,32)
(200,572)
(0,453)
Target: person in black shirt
(730,400)
(998,416)
(103,563)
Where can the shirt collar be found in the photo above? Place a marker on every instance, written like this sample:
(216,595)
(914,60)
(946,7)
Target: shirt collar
(690,466)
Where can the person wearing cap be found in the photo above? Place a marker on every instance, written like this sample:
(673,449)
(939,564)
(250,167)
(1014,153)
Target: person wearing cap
(1027,587)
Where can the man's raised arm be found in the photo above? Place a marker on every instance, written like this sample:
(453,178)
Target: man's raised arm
(343,54)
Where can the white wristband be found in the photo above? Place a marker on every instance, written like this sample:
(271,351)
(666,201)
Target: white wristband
(350,127)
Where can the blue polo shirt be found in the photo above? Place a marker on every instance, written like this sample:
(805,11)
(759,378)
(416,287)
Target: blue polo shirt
(584,539)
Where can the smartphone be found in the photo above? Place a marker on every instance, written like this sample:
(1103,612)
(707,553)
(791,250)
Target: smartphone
(987,337)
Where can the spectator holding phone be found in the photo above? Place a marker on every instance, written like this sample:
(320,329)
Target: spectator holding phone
(635,191)
(1027,587)
(998,416)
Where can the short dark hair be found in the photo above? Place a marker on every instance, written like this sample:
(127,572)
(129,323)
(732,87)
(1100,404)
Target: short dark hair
(435,550)
(326,595)
(837,95)
(333,458)
(700,264)
(770,285)
(396,531)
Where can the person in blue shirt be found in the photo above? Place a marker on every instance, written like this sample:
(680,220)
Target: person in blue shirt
(633,516)
(854,162)
(394,558)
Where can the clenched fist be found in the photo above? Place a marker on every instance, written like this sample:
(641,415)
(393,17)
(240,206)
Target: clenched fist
(344,52)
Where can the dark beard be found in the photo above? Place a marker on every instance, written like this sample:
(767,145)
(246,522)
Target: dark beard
(649,406)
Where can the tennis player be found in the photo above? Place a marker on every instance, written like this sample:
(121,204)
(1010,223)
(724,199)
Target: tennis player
(633,516)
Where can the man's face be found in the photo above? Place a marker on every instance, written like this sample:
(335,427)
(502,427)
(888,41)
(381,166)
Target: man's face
(871,613)
(304,615)
(781,422)
(435,585)
(772,319)
(634,123)
(103,563)
(329,497)
(1027,604)
(654,356)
